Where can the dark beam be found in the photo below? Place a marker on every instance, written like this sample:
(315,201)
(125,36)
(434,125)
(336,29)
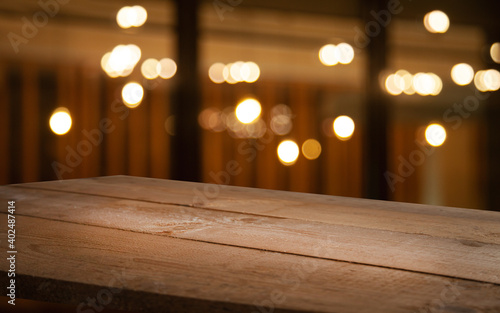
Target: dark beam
(376,106)
(185,147)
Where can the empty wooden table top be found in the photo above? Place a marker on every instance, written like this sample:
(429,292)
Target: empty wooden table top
(157,245)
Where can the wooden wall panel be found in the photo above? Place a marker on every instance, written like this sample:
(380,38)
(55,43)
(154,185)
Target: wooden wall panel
(116,156)
(90,115)
(138,138)
(5,131)
(159,165)
(30,136)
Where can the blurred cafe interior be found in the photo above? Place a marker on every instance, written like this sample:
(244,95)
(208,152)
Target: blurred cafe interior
(395,100)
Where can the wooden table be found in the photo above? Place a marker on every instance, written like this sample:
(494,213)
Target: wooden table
(168,246)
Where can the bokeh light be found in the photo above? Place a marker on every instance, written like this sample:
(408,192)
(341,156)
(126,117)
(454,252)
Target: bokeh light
(250,72)
(215,73)
(149,68)
(427,84)
(495,52)
(212,119)
(487,80)
(436,22)
(288,152)
(166,68)
(462,74)
(134,16)
(132,94)
(281,119)
(329,55)
(311,149)
(345,53)
(248,110)
(60,121)
(392,85)
(121,60)
(343,126)
(491,79)
(435,135)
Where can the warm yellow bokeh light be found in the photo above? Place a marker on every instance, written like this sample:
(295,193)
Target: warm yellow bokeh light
(250,72)
(149,68)
(134,16)
(393,85)
(311,149)
(495,52)
(345,53)
(121,60)
(132,94)
(60,121)
(462,74)
(491,79)
(427,84)
(235,71)
(329,55)
(166,68)
(288,152)
(215,73)
(248,111)
(487,80)
(343,126)
(435,135)
(436,22)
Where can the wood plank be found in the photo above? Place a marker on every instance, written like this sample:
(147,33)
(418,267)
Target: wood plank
(221,277)
(468,259)
(436,221)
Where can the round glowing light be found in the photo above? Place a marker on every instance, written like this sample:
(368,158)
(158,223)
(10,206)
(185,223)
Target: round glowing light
(60,121)
(329,55)
(438,84)
(462,74)
(403,79)
(343,126)
(149,68)
(495,52)
(134,16)
(393,85)
(345,52)
(226,73)
(122,17)
(436,22)
(132,94)
(311,149)
(281,124)
(479,81)
(166,68)
(215,73)
(235,71)
(426,84)
(248,111)
(435,135)
(120,58)
(491,79)
(212,119)
(250,72)
(288,152)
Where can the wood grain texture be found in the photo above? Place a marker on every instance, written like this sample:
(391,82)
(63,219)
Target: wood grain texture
(459,258)
(181,246)
(224,275)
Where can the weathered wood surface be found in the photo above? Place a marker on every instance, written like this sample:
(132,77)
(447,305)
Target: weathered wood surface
(238,248)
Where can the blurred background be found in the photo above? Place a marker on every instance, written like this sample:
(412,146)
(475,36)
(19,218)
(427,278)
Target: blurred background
(391,100)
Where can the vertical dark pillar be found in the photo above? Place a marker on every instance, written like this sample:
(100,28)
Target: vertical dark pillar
(492,143)
(185,145)
(376,106)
